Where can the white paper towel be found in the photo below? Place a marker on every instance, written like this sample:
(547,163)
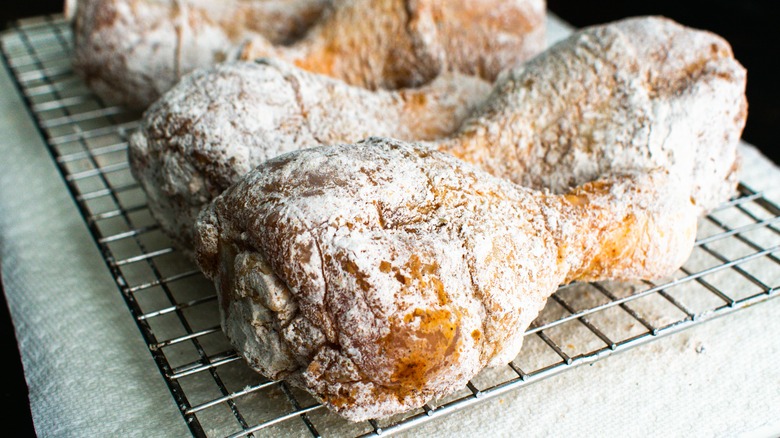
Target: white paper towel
(88,370)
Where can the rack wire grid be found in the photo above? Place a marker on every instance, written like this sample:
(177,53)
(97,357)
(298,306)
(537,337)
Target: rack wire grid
(732,266)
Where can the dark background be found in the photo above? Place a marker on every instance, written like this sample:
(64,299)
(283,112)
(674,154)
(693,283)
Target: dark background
(751,26)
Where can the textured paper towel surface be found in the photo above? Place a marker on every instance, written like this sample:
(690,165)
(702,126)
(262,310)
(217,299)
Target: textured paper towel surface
(87,368)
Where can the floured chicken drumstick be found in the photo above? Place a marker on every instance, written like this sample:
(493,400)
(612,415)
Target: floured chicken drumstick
(132,51)
(383,274)
(402,43)
(217,125)
(634,95)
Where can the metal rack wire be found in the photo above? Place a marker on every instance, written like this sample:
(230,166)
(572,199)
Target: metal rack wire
(733,266)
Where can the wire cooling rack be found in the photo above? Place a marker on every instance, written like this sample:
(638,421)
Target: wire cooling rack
(733,266)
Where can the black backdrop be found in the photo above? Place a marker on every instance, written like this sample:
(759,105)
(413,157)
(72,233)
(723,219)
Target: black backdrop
(749,25)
